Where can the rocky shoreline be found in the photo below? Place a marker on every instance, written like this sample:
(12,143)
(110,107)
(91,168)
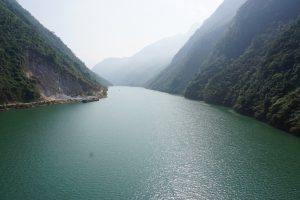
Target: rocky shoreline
(9,106)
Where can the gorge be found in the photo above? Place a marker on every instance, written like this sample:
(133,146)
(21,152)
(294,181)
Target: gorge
(202,115)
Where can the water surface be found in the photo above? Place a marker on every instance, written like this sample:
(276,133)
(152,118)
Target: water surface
(141,144)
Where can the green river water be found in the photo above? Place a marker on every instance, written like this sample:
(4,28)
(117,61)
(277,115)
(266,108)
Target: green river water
(141,144)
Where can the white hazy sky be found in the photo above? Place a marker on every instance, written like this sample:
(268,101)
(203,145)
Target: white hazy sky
(97,29)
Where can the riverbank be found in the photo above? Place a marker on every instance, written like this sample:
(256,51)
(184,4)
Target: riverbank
(10,106)
(289,128)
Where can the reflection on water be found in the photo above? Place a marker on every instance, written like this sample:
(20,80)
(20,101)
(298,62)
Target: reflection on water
(141,144)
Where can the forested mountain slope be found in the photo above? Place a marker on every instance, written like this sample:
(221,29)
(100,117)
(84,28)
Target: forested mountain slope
(35,64)
(187,62)
(255,68)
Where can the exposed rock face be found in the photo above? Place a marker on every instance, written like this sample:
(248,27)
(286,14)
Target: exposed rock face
(53,83)
(36,66)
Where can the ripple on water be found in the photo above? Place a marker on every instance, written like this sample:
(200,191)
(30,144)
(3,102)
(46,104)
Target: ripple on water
(141,144)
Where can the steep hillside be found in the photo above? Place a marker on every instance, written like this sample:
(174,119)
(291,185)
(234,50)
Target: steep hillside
(36,65)
(139,69)
(255,68)
(187,62)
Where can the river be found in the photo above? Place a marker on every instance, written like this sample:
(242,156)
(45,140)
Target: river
(141,144)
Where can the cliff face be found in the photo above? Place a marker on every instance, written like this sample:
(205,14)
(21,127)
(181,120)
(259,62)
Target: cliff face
(36,65)
(54,83)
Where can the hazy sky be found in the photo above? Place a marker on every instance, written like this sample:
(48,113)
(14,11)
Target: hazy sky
(97,29)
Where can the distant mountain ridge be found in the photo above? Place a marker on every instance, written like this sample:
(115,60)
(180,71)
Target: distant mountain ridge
(36,65)
(142,67)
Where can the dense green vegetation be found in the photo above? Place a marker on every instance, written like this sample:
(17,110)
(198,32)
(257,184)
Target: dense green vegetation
(188,61)
(20,35)
(256,67)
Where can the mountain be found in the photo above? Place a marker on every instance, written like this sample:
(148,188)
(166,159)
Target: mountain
(110,67)
(35,65)
(187,62)
(142,67)
(255,68)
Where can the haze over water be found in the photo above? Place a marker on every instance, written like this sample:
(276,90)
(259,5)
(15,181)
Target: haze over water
(141,144)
